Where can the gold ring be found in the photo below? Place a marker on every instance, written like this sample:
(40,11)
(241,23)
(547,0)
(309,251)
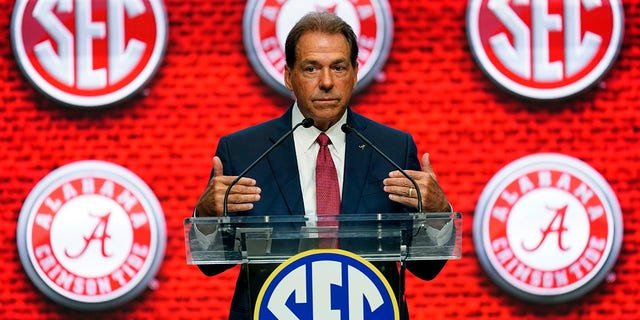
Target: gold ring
(410,192)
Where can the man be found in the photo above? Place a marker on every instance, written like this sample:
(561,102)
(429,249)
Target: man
(321,70)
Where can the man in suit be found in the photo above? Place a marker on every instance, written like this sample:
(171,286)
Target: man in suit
(321,55)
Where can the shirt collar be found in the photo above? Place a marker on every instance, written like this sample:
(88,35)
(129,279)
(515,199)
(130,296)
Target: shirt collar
(308,137)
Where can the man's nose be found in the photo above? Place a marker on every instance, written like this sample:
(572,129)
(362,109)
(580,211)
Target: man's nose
(326,79)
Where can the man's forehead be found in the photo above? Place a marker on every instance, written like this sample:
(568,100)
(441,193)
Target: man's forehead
(313,46)
(322,59)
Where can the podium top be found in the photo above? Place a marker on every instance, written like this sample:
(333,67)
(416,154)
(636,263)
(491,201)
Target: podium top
(275,238)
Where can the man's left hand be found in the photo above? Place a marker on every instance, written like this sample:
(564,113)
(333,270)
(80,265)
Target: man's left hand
(401,189)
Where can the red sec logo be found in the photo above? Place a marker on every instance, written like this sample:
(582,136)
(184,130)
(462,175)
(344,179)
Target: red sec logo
(545,49)
(89,53)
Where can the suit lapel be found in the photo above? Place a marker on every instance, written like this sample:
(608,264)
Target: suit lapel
(283,162)
(285,166)
(356,164)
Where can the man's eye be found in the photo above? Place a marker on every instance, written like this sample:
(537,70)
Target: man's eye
(309,69)
(339,68)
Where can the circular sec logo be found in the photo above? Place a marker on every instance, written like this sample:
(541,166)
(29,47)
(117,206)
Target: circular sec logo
(545,50)
(91,235)
(89,53)
(326,284)
(267,23)
(547,228)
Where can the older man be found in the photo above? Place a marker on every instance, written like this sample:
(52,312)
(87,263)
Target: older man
(321,71)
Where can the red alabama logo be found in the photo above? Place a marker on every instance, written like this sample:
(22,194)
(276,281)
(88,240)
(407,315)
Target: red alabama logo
(89,53)
(548,228)
(91,235)
(545,49)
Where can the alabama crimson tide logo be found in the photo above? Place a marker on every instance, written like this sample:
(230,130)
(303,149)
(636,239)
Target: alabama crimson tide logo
(547,228)
(91,235)
(545,49)
(89,53)
(268,22)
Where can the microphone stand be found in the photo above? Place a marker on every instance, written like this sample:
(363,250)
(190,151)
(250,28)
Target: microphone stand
(308,122)
(346,128)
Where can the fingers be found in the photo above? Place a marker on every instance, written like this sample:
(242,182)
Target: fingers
(405,199)
(235,207)
(224,181)
(241,195)
(426,164)
(401,191)
(426,167)
(396,177)
(217,166)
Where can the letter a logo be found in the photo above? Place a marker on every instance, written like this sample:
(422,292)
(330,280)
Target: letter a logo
(551,228)
(99,234)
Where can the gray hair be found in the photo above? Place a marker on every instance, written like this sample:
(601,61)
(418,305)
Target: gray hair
(324,22)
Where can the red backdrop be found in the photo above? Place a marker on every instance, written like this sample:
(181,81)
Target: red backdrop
(430,87)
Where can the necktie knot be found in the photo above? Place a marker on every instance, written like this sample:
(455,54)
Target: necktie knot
(323,140)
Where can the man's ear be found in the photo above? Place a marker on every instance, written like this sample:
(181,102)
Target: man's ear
(287,77)
(355,71)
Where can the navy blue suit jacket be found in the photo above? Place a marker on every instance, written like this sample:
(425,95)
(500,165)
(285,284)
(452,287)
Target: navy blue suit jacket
(277,176)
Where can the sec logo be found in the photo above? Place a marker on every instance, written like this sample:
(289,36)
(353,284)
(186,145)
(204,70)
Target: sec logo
(266,24)
(89,53)
(548,228)
(91,235)
(326,284)
(545,49)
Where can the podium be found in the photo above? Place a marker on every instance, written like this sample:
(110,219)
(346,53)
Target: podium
(257,241)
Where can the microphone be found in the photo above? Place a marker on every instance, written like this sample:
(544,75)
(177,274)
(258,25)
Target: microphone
(346,128)
(307,122)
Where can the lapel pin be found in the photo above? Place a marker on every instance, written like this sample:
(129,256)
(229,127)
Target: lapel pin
(361,146)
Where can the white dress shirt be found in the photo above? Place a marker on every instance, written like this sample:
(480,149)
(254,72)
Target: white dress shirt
(307,152)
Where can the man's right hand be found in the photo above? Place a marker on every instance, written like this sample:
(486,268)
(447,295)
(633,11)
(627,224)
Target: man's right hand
(241,196)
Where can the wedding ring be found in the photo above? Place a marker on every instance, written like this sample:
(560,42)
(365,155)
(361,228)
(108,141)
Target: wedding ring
(410,192)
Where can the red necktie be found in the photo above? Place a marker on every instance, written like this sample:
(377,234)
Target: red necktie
(327,187)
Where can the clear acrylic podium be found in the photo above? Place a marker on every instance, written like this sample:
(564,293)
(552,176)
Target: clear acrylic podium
(258,240)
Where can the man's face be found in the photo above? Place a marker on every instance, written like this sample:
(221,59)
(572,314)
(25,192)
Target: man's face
(322,78)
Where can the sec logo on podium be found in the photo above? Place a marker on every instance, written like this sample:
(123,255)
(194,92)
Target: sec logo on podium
(326,284)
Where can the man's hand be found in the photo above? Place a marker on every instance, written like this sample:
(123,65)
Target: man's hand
(401,189)
(241,196)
